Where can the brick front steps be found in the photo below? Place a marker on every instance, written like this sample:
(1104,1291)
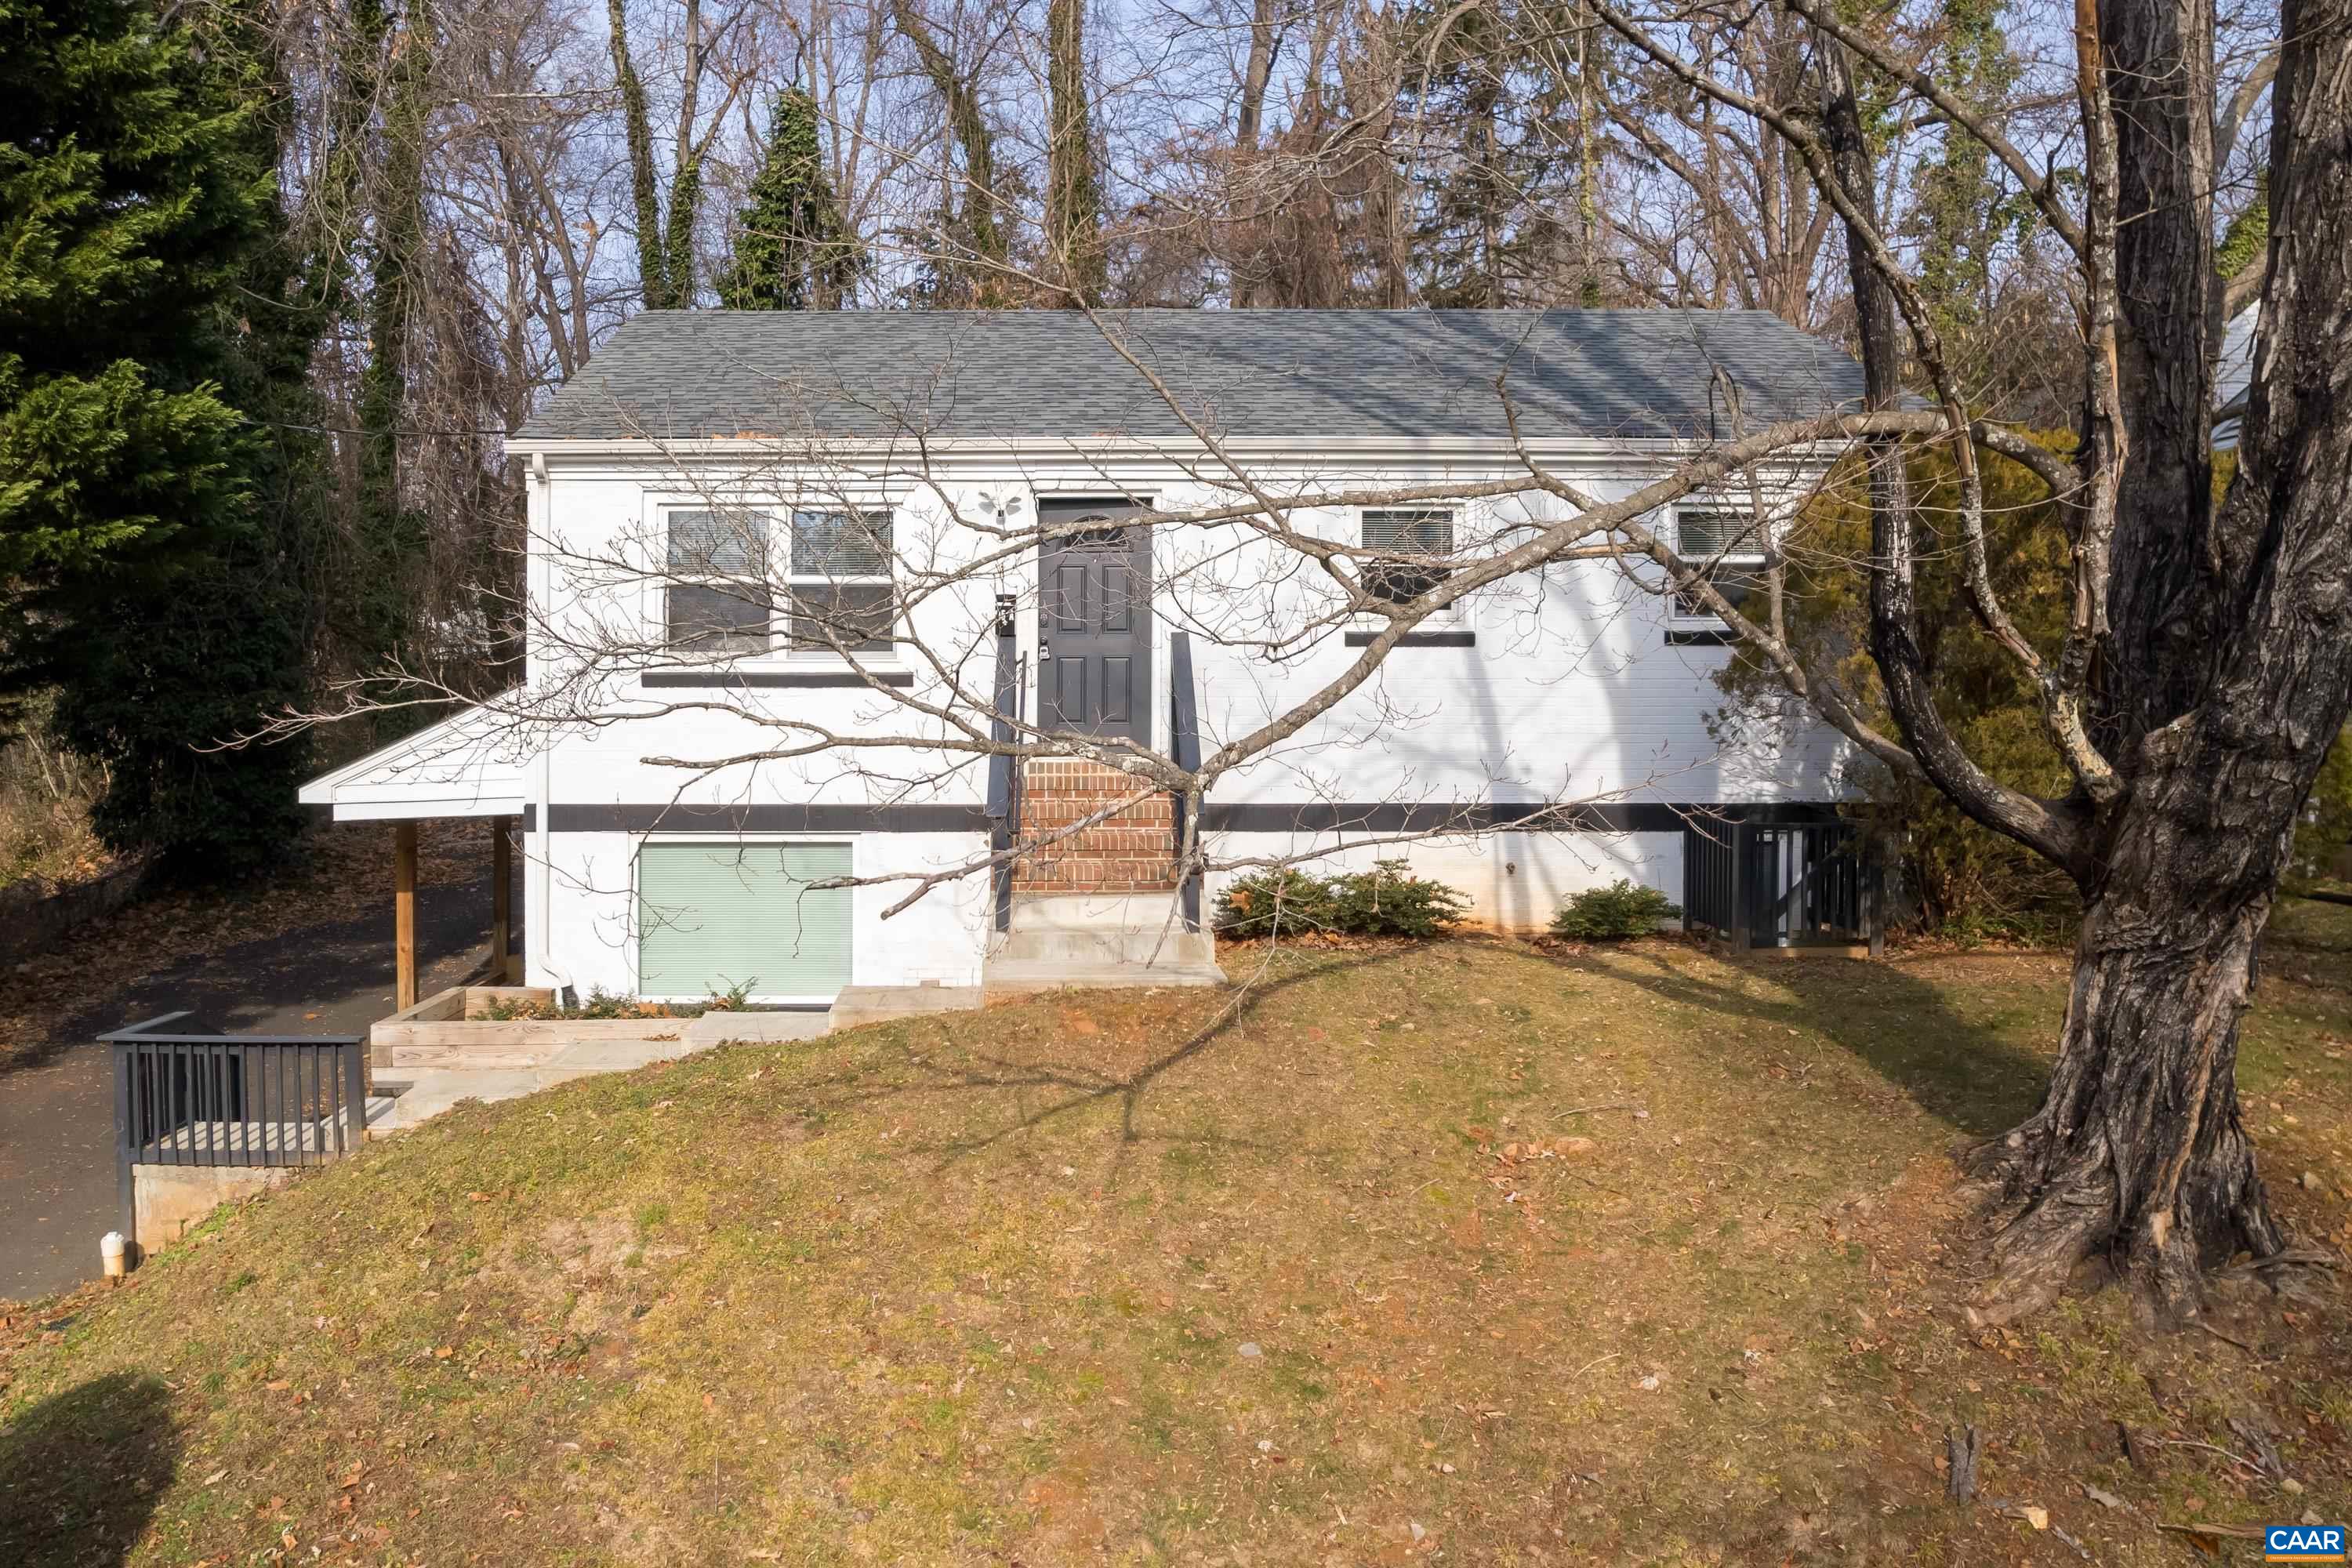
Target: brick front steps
(1132,850)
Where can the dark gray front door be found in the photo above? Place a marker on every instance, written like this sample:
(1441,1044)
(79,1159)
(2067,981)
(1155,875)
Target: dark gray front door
(1094,620)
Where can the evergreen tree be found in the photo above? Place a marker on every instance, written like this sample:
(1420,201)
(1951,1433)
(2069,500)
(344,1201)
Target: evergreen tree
(153,504)
(793,248)
(1966,209)
(1499,123)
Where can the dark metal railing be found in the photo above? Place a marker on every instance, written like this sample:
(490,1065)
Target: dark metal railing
(1710,875)
(1003,806)
(1758,881)
(233,1099)
(1184,747)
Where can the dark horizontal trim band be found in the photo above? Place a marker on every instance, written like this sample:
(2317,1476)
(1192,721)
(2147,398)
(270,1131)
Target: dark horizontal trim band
(672,817)
(1433,816)
(1700,637)
(1417,640)
(1240,816)
(743,679)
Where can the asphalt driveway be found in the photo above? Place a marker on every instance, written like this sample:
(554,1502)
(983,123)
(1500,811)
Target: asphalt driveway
(58,1179)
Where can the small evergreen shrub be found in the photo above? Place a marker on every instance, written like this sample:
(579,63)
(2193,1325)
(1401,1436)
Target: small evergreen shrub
(1387,901)
(1612,914)
(1281,901)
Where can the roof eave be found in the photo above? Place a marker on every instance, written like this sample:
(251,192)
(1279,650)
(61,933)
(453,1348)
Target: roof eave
(770,447)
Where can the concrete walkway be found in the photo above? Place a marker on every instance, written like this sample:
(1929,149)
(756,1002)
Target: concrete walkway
(56,1119)
(424,1093)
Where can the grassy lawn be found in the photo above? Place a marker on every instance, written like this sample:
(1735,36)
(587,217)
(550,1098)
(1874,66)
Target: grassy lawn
(1337,1280)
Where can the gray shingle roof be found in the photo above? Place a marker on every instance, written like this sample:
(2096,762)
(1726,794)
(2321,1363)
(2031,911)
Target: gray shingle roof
(1335,374)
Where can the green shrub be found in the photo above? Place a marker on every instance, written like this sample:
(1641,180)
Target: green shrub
(1389,901)
(1386,901)
(1612,914)
(1280,900)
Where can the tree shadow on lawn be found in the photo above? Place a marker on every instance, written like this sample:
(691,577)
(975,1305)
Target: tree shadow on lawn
(1901,1026)
(81,1472)
(1068,1087)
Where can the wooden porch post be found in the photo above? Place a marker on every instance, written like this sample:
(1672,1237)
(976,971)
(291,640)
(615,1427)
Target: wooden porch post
(501,901)
(404,916)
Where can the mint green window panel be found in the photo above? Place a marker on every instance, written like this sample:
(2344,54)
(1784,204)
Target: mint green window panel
(711,917)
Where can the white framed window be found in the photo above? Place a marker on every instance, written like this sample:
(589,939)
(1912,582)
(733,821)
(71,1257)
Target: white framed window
(1728,545)
(716,595)
(752,581)
(1406,530)
(838,577)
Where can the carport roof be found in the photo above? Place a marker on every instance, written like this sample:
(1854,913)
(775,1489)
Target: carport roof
(466,766)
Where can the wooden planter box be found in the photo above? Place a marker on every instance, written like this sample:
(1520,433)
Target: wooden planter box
(448,1029)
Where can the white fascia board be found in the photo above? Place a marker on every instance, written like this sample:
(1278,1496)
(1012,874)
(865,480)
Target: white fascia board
(412,808)
(1266,448)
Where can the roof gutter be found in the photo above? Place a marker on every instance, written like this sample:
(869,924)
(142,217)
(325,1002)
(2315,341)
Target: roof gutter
(909,451)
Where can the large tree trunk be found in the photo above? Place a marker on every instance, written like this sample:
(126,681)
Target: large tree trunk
(2163,595)
(2139,1152)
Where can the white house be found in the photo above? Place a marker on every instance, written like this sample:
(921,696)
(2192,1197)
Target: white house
(877,600)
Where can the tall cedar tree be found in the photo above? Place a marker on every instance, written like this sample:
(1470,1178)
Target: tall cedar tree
(394,535)
(793,249)
(1501,120)
(152,498)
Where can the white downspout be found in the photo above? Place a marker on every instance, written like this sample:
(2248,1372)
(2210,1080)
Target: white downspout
(537,590)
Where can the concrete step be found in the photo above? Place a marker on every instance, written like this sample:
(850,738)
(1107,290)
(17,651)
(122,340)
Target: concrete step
(473,1058)
(1095,912)
(434,1090)
(875,1003)
(1103,931)
(1116,940)
(1020,977)
(713,1028)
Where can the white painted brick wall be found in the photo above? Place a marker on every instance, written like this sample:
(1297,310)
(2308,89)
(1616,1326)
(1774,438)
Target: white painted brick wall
(1571,692)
